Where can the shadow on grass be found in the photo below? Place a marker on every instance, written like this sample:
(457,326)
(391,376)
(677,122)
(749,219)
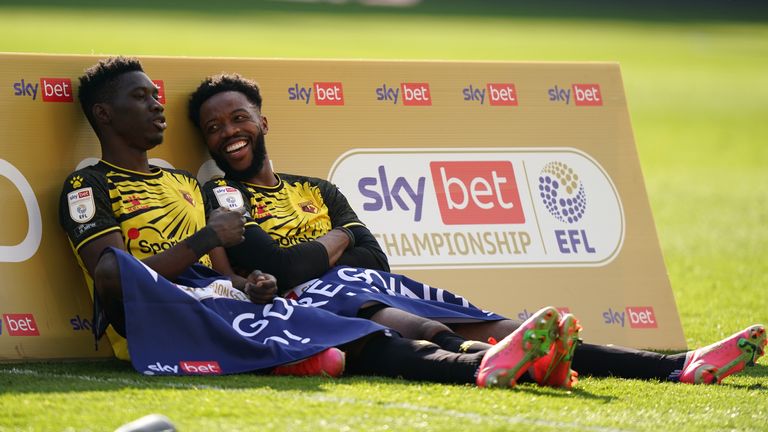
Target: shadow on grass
(576,392)
(110,375)
(649,10)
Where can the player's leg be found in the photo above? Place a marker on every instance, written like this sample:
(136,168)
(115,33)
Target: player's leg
(414,327)
(704,365)
(567,355)
(484,330)
(500,366)
(712,363)
(708,364)
(420,360)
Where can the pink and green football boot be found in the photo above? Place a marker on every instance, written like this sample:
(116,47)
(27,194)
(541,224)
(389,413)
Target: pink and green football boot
(710,364)
(554,369)
(506,361)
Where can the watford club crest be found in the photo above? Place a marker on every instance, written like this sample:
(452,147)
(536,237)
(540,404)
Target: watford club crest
(308,207)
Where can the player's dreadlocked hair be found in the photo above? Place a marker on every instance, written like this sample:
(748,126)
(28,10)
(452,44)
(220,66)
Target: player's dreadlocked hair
(218,84)
(96,85)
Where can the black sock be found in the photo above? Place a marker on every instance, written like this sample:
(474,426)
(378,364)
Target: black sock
(393,356)
(609,360)
(452,342)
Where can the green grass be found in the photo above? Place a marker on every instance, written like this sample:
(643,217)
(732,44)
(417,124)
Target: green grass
(697,89)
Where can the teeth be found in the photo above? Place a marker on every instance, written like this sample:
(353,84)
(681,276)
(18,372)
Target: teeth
(160,124)
(235,146)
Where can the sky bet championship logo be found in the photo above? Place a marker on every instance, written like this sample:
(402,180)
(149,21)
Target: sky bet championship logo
(479,208)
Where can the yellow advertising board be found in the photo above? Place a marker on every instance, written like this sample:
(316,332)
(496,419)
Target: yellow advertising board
(515,185)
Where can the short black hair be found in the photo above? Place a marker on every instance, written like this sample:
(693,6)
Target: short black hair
(213,85)
(97,84)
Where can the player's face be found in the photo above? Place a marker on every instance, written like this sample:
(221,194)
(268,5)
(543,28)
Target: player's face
(136,114)
(234,129)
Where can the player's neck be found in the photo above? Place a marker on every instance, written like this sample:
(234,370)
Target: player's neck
(126,157)
(265,177)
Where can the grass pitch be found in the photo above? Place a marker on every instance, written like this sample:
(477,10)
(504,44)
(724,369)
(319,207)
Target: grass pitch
(697,87)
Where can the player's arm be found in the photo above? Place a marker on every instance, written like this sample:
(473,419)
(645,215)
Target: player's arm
(290,265)
(365,251)
(259,287)
(224,228)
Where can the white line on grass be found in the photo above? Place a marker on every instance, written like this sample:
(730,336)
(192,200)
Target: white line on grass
(473,417)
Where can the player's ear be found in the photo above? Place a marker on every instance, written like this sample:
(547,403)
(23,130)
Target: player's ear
(264,125)
(102,113)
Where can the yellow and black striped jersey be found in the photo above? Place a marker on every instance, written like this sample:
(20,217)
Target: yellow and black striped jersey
(297,209)
(152,212)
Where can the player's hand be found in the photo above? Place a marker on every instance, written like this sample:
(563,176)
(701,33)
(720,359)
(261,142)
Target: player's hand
(261,287)
(228,225)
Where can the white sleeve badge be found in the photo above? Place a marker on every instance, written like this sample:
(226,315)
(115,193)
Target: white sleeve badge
(229,197)
(82,207)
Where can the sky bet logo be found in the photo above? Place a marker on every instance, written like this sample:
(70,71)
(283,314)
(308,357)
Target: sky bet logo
(325,93)
(468,193)
(20,325)
(80,324)
(185,367)
(416,94)
(636,316)
(160,91)
(579,94)
(49,89)
(413,94)
(477,192)
(498,94)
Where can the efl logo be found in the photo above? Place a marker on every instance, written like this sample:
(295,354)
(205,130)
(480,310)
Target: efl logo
(587,95)
(329,93)
(502,94)
(416,94)
(200,367)
(641,317)
(477,192)
(56,89)
(562,192)
(21,325)
(160,91)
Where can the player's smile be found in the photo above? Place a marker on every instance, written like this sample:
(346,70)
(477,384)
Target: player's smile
(234,132)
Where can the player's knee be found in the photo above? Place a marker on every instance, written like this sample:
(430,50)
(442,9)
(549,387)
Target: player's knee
(429,328)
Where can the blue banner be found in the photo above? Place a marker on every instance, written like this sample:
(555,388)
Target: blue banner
(342,290)
(205,326)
